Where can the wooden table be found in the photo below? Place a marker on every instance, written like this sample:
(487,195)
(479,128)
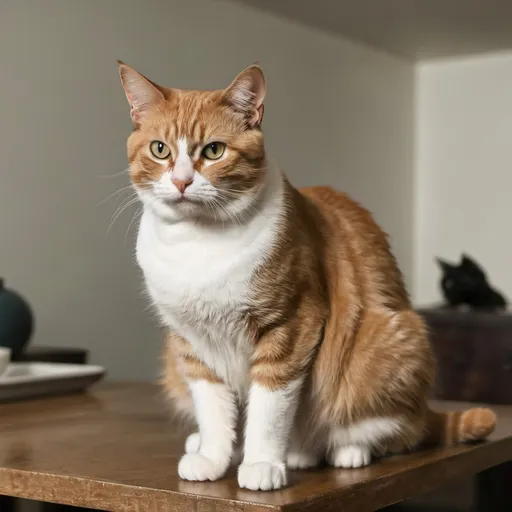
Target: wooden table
(116,450)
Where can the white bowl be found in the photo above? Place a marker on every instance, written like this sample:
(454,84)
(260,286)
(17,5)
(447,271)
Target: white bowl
(5,358)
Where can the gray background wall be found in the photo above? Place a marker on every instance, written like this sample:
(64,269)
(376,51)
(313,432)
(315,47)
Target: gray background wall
(464,163)
(337,113)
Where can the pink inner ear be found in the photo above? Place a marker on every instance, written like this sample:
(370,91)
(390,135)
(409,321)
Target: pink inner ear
(140,92)
(260,110)
(135,114)
(257,116)
(246,94)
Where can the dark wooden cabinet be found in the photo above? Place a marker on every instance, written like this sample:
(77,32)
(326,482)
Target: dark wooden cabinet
(474,355)
(474,363)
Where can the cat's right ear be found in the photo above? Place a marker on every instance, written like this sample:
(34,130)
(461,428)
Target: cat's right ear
(471,265)
(140,92)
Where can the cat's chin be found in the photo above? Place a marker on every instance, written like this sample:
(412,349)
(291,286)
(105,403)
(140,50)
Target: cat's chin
(183,201)
(179,209)
(173,208)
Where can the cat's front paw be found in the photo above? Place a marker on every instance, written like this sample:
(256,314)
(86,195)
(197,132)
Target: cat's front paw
(198,468)
(262,476)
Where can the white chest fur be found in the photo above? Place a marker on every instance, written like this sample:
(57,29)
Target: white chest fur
(198,278)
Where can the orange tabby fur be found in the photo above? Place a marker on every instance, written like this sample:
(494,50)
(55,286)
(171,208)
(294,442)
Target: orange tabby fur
(328,304)
(374,358)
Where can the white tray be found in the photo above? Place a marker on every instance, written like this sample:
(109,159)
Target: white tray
(29,380)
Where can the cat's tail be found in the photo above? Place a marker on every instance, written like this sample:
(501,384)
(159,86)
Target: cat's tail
(445,428)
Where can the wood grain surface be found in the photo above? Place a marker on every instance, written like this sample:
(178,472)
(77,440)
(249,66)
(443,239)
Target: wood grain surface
(116,449)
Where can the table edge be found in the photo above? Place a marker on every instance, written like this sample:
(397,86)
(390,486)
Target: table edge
(501,452)
(76,491)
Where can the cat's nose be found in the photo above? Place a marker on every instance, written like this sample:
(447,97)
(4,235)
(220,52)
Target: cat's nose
(181,184)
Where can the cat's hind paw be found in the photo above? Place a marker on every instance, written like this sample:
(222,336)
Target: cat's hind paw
(198,468)
(262,476)
(302,460)
(350,456)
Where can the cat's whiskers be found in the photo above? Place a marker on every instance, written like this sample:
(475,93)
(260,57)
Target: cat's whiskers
(129,202)
(138,213)
(108,176)
(229,215)
(237,194)
(117,192)
(211,205)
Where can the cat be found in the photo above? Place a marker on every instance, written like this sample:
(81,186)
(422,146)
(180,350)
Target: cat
(284,307)
(466,284)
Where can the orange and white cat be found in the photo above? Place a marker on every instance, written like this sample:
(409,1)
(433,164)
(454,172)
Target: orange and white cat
(283,306)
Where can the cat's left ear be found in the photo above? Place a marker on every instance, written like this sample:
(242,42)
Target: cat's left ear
(141,93)
(445,266)
(246,94)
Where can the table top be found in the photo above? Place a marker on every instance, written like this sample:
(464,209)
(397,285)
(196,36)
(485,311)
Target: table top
(116,449)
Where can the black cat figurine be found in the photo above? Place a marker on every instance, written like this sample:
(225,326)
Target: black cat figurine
(466,284)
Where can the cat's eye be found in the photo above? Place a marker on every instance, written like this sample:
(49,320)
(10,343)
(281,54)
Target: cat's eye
(214,150)
(159,149)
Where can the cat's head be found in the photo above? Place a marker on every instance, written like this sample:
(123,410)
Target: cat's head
(459,282)
(197,154)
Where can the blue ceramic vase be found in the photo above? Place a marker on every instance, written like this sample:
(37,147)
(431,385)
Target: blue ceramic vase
(16,320)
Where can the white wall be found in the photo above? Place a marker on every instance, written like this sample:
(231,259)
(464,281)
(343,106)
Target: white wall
(337,113)
(464,168)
